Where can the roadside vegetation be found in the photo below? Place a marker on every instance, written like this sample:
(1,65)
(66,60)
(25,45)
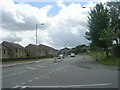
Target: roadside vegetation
(104,33)
(101,57)
(23,61)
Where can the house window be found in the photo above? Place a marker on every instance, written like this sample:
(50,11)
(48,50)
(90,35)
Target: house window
(8,53)
(25,50)
(4,51)
(16,50)
(16,55)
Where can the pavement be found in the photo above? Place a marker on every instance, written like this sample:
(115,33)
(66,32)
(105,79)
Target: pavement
(22,63)
(76,72)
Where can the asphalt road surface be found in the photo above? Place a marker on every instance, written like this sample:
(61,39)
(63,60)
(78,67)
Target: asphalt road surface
(75,72)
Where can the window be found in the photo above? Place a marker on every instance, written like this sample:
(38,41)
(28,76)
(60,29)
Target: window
(4,52)
(16,50)
(25,50)
(8,53)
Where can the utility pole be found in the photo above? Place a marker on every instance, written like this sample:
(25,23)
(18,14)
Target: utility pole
(36,42)
(36,38)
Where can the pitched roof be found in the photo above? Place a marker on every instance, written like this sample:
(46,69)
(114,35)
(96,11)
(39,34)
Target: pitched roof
(33,46)
(46,47)
(64,49)
(12,45)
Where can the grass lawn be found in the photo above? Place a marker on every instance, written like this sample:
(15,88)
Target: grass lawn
(22,61)
(101,57)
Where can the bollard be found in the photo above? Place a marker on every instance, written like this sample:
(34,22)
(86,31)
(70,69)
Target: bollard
(55,59)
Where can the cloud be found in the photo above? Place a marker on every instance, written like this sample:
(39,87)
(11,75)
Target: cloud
(10,36)
(66,28)
(21,17)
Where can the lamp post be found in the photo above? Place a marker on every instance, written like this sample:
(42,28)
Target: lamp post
(36,37)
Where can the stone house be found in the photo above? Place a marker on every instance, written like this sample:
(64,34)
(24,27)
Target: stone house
(64,51)
(50,52)
(34,51)
(4,52)
(12,50)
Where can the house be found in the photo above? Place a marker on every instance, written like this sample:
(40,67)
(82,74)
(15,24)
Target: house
(4,52)
(50,52)
(12,50)
(34,51)
(64,51)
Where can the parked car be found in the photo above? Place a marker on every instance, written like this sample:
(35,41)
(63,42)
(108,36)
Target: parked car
(60,56)
(72,54)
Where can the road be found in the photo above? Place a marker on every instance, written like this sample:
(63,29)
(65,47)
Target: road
(76,72)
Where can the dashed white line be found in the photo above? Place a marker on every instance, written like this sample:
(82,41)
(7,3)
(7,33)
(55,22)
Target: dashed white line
(30,80)
(14,74)
(43,66)
(30,68)
(17,86)
(36,78)
(37,65)
(23,84)
(57,69)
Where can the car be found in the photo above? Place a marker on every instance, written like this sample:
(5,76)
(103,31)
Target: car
(60,56)
(72,54)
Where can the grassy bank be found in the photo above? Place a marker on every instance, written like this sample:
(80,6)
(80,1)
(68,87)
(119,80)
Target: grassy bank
(23,61)
(101,57)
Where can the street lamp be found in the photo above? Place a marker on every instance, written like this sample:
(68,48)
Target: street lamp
(36,37)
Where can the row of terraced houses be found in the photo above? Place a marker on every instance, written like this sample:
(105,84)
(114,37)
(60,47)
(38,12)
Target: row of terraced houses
(10,50)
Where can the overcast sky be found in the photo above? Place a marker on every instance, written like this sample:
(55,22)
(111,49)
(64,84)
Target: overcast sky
(65,23)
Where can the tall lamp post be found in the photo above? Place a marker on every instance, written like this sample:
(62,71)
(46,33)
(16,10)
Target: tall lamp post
(36,37)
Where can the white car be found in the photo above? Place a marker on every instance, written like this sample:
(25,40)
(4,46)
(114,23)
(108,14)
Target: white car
(60,56)
(72,54)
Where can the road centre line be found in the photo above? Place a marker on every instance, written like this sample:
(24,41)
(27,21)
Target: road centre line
(30,68)
(57,69)
(43,75)
(25,67)
(14,74)
(68,86)
(17,86)
(30,80)
(23,71)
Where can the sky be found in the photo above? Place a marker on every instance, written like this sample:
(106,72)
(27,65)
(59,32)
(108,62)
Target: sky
(64,23)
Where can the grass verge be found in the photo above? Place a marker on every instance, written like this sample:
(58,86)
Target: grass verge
(101,57)
(22,61)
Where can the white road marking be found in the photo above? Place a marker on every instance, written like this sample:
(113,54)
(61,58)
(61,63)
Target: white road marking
(24,87)
(57,69)
(14,74)
(30,80)
(68,86)
(30,68)
(37,65)
(36,78)
(61,68)
(19,68)
(43,66)
(23,84)
(17,86)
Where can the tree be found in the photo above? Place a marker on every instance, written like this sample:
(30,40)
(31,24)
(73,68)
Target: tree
(98,20)
(108,35)
(87,35)
(114,12)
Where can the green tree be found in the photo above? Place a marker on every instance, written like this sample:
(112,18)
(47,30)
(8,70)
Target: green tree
(114,12)
(98,20)
(87,35)
(108,35)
